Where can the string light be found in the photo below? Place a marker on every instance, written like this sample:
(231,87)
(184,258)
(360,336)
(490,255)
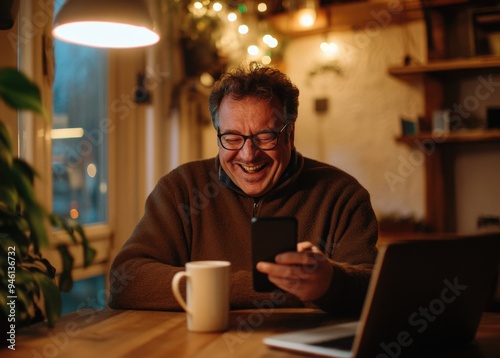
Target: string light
(232,17)
(240,33)
(329,48)
(253,50)
(217,6)
(270,41)
(243,29)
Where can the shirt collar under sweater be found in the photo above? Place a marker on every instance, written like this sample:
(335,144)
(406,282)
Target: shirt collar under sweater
(290,170)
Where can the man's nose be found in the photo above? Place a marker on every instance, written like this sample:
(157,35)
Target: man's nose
(248,150)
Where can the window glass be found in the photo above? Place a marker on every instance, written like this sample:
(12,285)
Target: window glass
(79,136)
(87,293)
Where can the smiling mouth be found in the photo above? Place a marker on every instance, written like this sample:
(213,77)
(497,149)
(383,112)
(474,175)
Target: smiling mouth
(251,169)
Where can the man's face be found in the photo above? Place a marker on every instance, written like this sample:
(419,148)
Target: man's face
(253,170)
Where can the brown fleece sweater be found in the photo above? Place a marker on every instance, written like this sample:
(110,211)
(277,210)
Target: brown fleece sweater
(196,213)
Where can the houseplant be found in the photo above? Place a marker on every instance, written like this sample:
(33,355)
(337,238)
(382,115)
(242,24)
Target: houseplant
(30,286)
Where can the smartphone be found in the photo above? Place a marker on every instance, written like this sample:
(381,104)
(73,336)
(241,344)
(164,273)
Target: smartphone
(271,236)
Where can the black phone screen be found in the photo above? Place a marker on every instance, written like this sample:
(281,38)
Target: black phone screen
(271,236)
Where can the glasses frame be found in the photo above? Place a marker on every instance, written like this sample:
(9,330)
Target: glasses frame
(251,137)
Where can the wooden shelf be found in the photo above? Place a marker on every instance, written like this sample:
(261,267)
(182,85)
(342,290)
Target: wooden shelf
(349,15)
(484,62)
(439,79)
(463,136)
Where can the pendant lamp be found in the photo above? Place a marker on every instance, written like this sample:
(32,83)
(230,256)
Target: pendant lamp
(105,23)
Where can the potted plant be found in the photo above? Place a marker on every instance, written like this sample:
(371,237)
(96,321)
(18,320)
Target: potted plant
(30,286)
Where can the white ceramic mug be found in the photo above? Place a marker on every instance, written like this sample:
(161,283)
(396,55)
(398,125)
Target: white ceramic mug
(207,295)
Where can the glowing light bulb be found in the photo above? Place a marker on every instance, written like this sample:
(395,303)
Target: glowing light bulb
(253,50)
(232,17)
(329,48)
(217,6)
(306,17)
(243,29)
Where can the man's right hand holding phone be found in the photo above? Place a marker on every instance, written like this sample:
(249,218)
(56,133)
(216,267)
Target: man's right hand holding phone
(306,273)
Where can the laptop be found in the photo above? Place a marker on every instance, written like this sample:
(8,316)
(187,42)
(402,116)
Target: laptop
(424,295)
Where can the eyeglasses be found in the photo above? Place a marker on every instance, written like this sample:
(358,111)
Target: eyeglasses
(263,140)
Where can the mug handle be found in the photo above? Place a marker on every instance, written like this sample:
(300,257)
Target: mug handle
(175,288)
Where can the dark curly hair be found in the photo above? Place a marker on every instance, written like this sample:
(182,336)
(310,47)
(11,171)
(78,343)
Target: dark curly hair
(259,82)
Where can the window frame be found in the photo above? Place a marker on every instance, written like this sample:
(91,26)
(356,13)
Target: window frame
(35,59)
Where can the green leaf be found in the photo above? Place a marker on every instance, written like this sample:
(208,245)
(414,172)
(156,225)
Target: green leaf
(26,298)
(14,230)
(65,279)
(33,212)
(73,228)
(33,263)
(24,279)
(25,169)
(88,252)
(63,223)
(8,192)
(19,92)
(6,243)
(5,144)
(51,297)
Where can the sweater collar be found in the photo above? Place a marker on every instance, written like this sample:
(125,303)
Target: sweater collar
(290,171)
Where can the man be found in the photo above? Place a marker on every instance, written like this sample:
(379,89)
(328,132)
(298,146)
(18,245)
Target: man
(202,211)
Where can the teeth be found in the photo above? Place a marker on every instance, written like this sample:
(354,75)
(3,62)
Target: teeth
(252,169)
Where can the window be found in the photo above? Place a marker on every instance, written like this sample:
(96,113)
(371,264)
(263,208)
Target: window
(79,150)
(72,157)
(86,293)
(79,136)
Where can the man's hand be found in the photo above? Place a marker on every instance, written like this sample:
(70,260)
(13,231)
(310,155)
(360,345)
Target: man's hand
(306,274)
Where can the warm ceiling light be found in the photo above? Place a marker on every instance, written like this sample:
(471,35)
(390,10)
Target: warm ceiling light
(105,23)
(306,17)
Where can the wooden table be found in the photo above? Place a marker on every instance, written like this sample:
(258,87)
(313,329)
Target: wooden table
(114,333)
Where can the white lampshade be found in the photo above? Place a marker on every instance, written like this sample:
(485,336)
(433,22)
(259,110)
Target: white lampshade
(105,23)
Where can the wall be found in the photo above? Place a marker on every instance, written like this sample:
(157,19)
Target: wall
(477,166)
(357,132)
(477,185)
